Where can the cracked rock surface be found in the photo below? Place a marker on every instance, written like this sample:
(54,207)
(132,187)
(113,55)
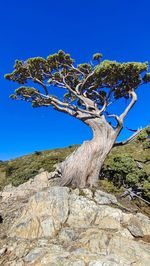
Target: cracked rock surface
(60,226)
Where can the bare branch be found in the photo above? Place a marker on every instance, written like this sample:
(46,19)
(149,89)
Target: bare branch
(130,139)
(117,119)
(63,109)
(77,87)
(87,112)
(126,111)
(103,107)
(86,79)
(42,84)
(133,101)
(76,69)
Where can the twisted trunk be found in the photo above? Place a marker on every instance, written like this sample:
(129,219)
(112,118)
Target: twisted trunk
(83,166)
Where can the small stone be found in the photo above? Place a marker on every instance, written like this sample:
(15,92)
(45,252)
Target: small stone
(104,198)
(108,223)
(135,230)
(3,250)
(34,254)
(67,235)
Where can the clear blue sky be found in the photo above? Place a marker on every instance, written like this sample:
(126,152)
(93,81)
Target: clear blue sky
(120,29)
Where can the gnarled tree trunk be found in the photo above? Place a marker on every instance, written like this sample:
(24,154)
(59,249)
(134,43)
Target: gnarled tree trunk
(83,166)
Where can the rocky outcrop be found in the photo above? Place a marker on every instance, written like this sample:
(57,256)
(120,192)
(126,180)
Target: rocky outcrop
(61,226)
(39,182)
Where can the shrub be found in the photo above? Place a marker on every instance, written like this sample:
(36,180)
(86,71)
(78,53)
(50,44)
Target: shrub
(143,135)
(132,178)
(37,152)
(146,188)
(146,145)
(123,170)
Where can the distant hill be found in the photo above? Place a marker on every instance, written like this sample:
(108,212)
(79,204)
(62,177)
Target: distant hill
(126,166)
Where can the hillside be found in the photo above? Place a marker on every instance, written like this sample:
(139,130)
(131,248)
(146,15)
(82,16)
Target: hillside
(43,223)
(126,166)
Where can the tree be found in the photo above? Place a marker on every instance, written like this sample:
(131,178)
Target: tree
(89,92)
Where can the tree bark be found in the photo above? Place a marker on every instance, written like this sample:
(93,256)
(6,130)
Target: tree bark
(82,167)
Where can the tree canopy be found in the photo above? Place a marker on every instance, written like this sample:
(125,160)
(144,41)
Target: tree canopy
(87,89)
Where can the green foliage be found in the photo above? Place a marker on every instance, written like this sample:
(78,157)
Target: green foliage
(146,144)
(122,76)
(109,187)
(97,56)
(142,136)
(59,70)
(146,78)
(121,168)
(124,171)
(146,188)
(148,130)
(22,169)
(132,178)
(38,153)
(127,166)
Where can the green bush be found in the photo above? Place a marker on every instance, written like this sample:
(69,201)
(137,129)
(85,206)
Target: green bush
(146,188)
(143,135)
(123,170)
(132,178)
(38,153)
(146,145)
(148,130)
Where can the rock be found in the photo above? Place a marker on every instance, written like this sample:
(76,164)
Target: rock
(34,254)
(67,234)
(87,193)
(3,250)
(129,250)
(139,223)
(82,211)
(95,241)
(104,198)
(44,214)
(77,263)
(125,233)
(62,226)
(110,260)
(106,244)
(135,230)
(55,255)
(39,182)
(108,223)
(144,222)
(110,213)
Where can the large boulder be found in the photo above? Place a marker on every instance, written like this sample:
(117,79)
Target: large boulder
(44,214)
(32,186)
(60,226)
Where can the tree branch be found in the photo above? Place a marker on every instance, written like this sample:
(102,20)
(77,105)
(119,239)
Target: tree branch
(74,68)
(133,101)
(86,79)
(126,111)
(63,109)
(65,106)
(42,84)
(117,119)
(130,139)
